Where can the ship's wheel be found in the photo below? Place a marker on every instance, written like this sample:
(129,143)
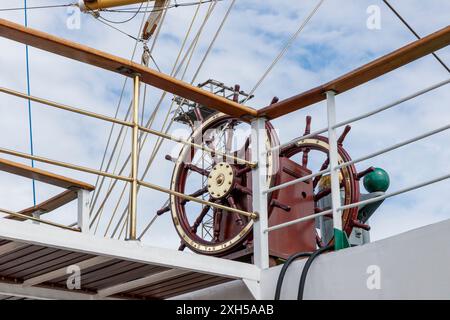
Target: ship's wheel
(212,177)
(217,179)
(308,152)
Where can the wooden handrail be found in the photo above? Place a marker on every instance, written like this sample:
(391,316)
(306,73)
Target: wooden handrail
(42,175)
(367,72)
(72,50)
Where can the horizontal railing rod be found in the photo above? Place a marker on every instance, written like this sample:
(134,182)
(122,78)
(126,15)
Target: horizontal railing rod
(393,104)
(295,181)
(372,155)
(303,219)
(361,203)
(63,164)
(393,147)
(365,115)
(296,140)
(50,223)
(195,145)
(251,215)
(121,122)
(65,107)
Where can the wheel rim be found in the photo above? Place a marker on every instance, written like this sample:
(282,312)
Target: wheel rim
(230,237)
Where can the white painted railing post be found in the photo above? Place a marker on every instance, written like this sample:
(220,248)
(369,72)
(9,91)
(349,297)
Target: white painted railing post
(37,214)
(83,210)
(340,239)
(259,183)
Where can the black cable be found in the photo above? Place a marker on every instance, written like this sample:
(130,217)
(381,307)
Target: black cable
(99,19)
(284,269)
(38,7)
(413,32)
(308,263)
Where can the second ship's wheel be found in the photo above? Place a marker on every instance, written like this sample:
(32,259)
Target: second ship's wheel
(312,151)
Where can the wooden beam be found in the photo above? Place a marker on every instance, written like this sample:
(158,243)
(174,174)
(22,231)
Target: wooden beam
(367,72)
(49,205)
(141,282)
(83,265)
(42,175)
(11,247)
(125,67)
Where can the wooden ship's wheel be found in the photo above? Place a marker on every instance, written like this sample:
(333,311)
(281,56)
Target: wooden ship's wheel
(220,180)
(215,178)
(320,186)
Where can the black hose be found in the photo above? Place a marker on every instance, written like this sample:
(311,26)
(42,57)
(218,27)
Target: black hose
(284,269)
(308,263)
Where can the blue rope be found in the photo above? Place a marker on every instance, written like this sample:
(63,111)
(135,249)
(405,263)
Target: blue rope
(30,123)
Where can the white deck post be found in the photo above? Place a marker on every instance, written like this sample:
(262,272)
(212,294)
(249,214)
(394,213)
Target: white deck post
(83,210)
(340,239)
(259,181)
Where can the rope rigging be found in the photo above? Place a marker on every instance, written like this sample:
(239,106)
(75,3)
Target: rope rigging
(159,143)
(166,127)
(399,16)
(284,50)
(148,124)
(95,193)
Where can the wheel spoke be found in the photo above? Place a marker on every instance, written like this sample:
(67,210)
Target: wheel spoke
(182,246)
(243,171)
(217,221)
(238,218)
(323,167)
(243,189)
(197,169)
(341,139)
(200,218)
(305,157)
(229,139)
(308,125)
(195,195)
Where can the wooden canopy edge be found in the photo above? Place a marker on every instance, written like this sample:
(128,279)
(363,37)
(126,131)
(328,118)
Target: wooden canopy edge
(361,75)
(42,175)
(75,51)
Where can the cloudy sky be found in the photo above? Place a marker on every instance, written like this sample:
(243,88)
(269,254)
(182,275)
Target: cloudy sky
(335,41)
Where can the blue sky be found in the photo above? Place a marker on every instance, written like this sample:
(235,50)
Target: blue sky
(335,41)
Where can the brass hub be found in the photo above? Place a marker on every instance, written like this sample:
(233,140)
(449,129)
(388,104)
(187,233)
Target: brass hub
(220,180)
